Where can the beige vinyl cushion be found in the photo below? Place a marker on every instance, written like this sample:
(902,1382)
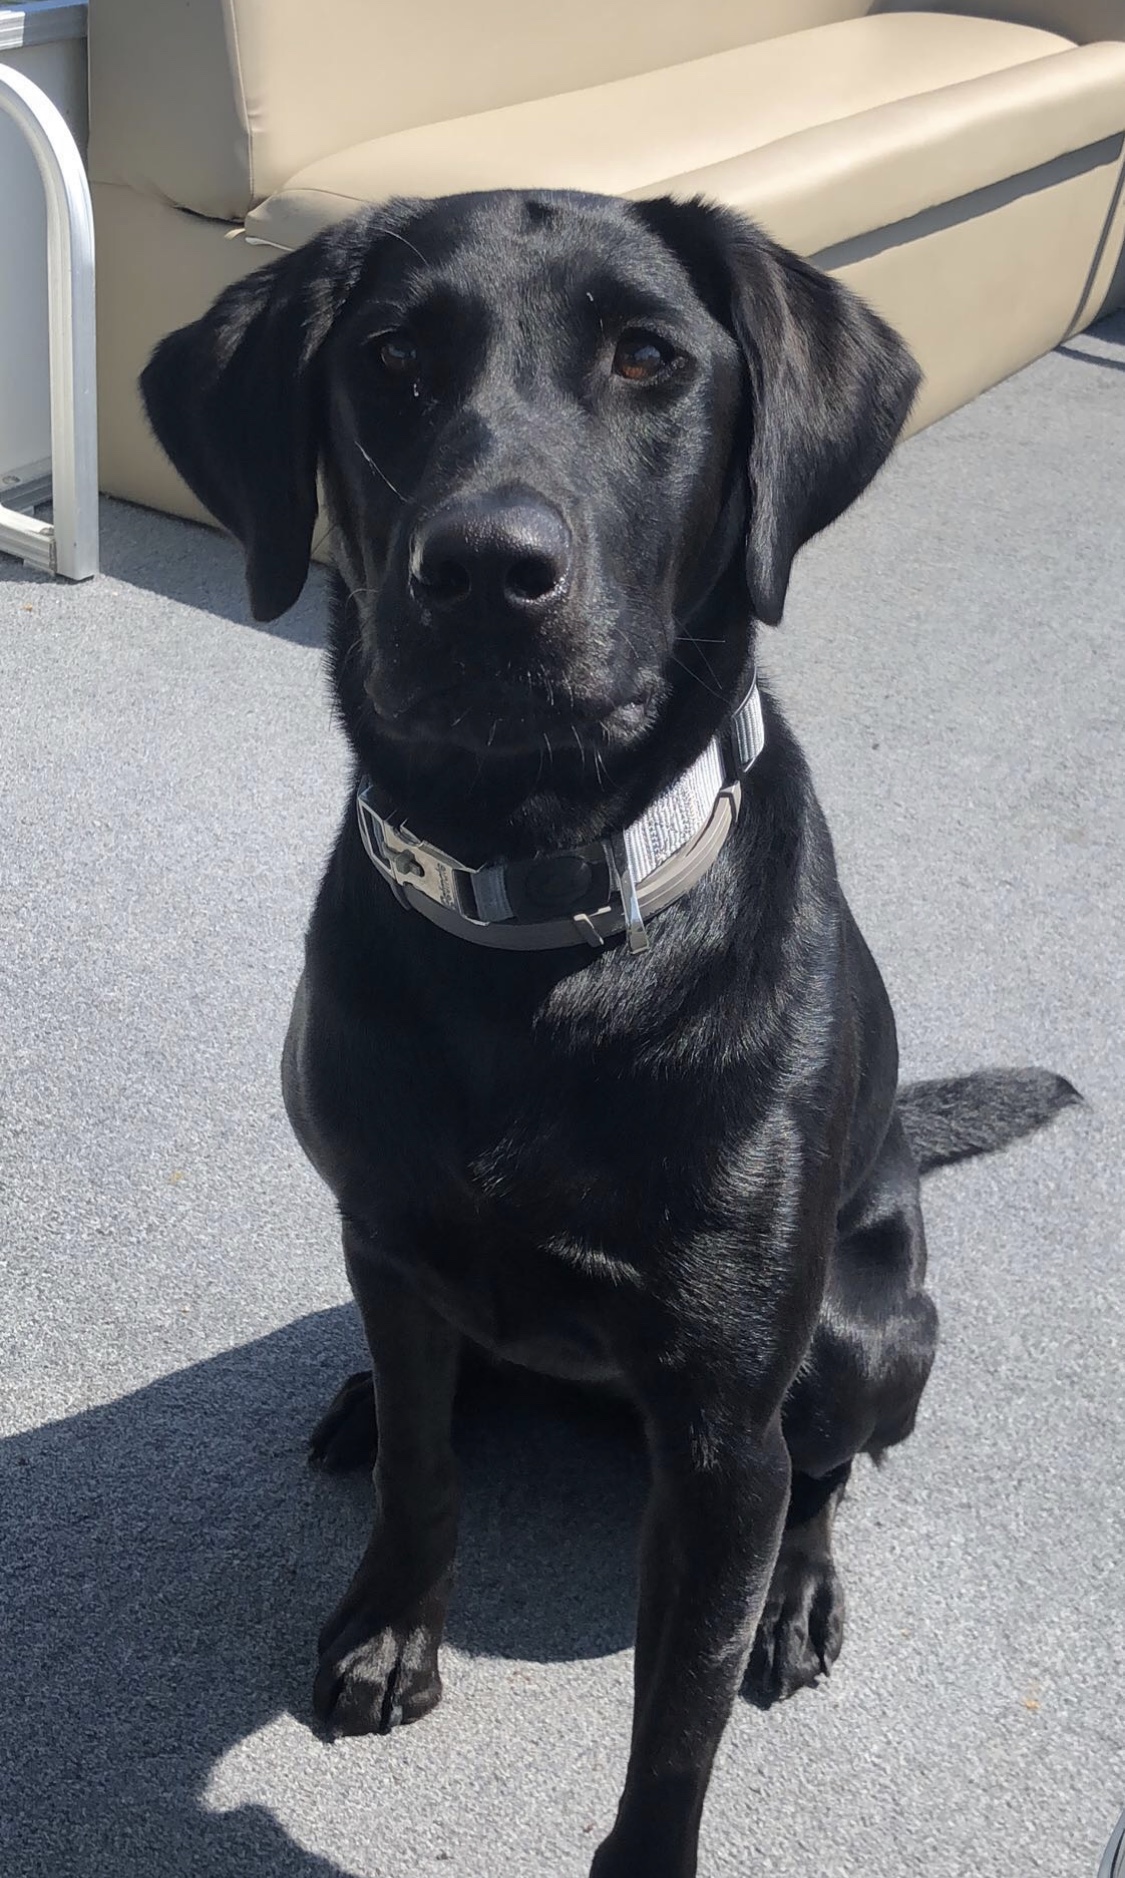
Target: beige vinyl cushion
(980,292)
(213,104)
(828,184)
(624,137)
(1084,21)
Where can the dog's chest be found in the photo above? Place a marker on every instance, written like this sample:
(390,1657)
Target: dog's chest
(523,1192)
(522,1240)
(544,1301)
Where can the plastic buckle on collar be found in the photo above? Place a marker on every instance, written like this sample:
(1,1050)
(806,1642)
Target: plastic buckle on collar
(588,931)
(746,733)
(621,874)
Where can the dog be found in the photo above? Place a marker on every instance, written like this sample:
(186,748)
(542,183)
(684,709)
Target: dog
(588,1046)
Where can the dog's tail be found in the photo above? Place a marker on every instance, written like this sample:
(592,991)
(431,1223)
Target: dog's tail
(955,1118)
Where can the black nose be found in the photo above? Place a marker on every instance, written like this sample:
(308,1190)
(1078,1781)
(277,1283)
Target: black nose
(511,552)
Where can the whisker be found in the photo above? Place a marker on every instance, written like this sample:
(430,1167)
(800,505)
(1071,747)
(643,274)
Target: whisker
(708,663)
(395,236)
(371,463)
(581,748)
(697,677)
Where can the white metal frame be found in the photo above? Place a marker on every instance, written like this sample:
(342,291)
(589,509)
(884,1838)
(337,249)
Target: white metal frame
(69,544)
(1113,1858)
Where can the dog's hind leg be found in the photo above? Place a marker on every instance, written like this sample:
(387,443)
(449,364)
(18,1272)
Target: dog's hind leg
(346,1435)
(857,1393)
(802,1625)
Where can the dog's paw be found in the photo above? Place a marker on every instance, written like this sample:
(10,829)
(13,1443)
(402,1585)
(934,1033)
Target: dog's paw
(371,1680)
(345,1436)
(801,1628)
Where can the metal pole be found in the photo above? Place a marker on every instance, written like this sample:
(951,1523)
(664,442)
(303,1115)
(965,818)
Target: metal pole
(1113,1858)
(68,545)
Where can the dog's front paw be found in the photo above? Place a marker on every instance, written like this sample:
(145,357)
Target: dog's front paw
(674,1857)
(374,1678)
(801,1628)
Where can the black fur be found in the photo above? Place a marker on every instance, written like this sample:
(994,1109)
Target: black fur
(686,1174)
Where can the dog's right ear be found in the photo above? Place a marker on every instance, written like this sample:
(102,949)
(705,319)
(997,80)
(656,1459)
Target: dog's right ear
(234,399)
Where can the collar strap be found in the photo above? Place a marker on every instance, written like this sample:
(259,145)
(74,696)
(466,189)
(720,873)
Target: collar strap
(582,895)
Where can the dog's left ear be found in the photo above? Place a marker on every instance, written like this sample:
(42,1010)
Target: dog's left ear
(235,399)
(831,384)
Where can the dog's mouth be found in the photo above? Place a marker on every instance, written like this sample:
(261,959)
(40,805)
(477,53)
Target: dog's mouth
(503,719)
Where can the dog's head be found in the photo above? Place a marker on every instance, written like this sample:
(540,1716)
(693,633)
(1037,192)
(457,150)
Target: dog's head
(570,446)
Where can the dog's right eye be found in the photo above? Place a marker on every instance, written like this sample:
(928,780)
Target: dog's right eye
(642,356)
(397,354)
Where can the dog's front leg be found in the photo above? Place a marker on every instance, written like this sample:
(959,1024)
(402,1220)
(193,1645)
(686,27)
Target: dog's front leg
(379,1650)
(712,1531)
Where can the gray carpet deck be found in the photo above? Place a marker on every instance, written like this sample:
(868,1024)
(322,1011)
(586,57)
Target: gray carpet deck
(173,1312)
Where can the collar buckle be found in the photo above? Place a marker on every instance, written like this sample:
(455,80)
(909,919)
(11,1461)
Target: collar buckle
(405,861)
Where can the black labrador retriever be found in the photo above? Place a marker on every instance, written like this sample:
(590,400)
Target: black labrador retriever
(588,1046)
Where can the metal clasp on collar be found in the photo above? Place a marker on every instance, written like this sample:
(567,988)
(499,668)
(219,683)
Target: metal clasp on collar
(403,860)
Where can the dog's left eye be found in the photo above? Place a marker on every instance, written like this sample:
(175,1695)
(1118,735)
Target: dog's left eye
(641,357)
(397,354)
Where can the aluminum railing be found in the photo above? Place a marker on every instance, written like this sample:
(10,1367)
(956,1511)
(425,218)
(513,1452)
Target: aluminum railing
(68,544)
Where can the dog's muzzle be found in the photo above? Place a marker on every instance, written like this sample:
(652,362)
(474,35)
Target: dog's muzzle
(582,896)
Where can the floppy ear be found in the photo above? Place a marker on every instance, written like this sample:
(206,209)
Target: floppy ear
(235,401)
(831,384)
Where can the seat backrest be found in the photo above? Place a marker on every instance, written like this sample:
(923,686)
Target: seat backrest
(1084,21)
(214,104)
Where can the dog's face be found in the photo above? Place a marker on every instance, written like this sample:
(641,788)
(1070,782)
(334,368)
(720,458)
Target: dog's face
(569,444)
(526,445)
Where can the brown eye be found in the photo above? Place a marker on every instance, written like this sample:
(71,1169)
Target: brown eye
(640,357)
(398,354)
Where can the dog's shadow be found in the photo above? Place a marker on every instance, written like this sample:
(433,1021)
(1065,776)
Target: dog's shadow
(168,1558)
